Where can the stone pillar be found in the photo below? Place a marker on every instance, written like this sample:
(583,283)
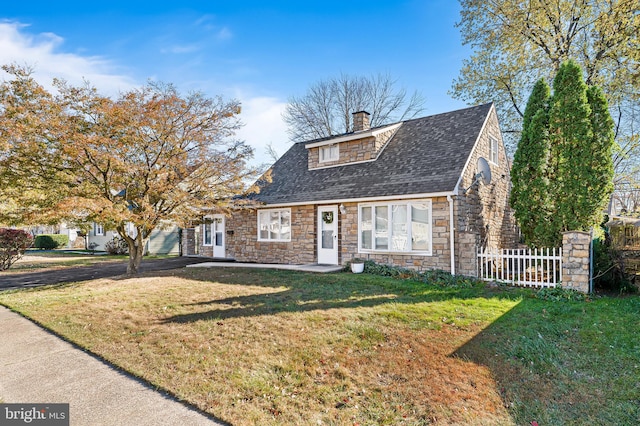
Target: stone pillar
(466,253)
(189,242)
(575,260)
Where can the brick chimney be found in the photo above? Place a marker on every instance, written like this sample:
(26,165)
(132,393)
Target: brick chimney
(361,121)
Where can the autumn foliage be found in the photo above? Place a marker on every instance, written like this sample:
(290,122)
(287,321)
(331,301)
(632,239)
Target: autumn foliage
(13,244)
(149,157)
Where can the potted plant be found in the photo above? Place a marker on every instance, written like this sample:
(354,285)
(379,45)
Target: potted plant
(357,265)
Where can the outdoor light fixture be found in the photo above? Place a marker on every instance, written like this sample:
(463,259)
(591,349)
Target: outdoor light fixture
(343,209)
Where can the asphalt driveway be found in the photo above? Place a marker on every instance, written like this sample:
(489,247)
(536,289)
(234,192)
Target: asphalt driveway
(82,273)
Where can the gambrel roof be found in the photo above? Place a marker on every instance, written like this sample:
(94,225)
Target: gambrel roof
(425,156)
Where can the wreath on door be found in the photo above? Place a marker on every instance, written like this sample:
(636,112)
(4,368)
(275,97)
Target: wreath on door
(327,217)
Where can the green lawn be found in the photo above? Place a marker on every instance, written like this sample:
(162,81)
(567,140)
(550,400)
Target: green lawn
(283,347)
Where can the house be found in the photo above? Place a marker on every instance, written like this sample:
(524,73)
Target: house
(163,240)
(407,194)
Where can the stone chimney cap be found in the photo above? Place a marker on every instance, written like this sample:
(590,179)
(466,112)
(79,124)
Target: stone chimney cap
(361,121)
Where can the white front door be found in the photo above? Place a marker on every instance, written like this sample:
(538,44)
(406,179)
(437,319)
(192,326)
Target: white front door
(328,235)
(218,235)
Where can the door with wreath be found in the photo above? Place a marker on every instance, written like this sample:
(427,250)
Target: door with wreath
(328,235)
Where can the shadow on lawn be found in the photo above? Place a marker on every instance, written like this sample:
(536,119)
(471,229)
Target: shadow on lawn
(563,362)
(302,292)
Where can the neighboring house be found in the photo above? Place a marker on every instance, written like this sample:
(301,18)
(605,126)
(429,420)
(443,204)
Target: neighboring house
(405,194)
(164,240)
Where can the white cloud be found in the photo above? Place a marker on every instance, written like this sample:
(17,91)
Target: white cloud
(263,126)
(42,53)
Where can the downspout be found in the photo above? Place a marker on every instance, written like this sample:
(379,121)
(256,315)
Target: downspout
(451,240)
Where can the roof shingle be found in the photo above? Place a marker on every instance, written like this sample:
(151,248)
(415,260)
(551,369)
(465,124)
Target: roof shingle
(426,155)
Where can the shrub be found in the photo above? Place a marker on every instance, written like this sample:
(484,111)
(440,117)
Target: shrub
(559,294)
(609,268)
(116,245)
(51,241)
(13,244)
(434,277)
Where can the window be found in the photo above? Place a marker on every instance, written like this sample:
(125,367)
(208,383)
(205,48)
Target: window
(212,231)
(403,227)
(329,153)
(493,150)
(274,225)
(98,229)
(207,231)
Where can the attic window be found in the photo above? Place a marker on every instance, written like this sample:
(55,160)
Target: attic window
(493,150)
(329,153)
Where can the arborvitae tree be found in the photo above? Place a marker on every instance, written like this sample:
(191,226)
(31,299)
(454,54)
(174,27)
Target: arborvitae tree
(599,174)
(563,168)
(529,195)
(570,138)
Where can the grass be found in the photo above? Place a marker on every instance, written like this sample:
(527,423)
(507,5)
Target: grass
(281,347)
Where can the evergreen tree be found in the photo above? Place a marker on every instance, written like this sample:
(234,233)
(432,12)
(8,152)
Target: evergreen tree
(570,139)
(563,169)
(599,175)
(530,184)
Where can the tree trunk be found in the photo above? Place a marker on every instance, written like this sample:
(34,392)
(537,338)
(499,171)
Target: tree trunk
(136,251)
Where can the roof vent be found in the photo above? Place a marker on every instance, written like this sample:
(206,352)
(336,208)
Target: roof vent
(361,121)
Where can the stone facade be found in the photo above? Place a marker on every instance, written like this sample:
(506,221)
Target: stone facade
(576,269)
(481,216)
(484,209)
(353,151)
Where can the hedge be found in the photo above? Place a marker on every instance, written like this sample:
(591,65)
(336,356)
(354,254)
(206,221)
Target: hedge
(50,241)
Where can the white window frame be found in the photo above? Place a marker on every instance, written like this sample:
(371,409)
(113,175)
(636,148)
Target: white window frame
(329,153)
(268,212)
(389,230)
(493,150)
(207,225)
(98,229)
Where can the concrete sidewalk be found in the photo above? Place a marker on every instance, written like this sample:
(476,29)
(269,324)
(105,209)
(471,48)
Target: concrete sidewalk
(322,269)
(38,367)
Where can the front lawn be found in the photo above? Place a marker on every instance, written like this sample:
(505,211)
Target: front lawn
(281,347)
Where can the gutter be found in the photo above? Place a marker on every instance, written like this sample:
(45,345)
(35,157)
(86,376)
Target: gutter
(451,240)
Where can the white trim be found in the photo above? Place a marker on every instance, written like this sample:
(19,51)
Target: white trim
(282,240)
(409,252)
(491,152)
(328,148)
(342,164)
(354,136)
(452,243)
(360,200)
(327,256)
(456,189)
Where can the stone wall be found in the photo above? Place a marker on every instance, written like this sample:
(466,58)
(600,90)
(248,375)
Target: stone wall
(242,243)
(575,260)
(242,238)
(358,150)
(484,209)
(441,246)
(189,242)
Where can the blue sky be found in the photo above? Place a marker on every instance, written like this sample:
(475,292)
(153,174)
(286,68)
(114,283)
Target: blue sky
(260,52)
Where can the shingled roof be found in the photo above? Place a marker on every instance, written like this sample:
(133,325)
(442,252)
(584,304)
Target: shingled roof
(426,156)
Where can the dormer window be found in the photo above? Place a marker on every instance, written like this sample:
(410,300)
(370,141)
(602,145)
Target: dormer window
(329,153)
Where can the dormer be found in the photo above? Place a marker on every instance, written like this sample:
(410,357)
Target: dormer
(362,145)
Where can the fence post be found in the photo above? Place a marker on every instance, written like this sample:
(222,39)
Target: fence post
(575,260)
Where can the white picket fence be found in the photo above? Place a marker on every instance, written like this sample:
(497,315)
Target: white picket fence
(522,267)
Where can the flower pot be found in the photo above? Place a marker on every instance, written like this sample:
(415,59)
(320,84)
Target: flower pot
(357,268)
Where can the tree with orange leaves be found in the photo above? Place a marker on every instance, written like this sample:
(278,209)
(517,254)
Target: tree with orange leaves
(149,157)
